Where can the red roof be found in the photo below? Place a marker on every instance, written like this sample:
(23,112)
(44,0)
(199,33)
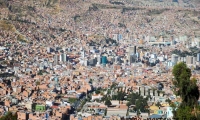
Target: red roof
(54,106)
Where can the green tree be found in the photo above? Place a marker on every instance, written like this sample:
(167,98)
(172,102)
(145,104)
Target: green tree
(108,102)
(91,81)
(137,100)
(113,86)
(141,105)
(168,100)
(187,89)
(158,104)
(121,95)
(40,72)
(104,98)
(127,112)
(9,116)
(184,113)
(72,100)
(97,91)
(109,91)
(105,113)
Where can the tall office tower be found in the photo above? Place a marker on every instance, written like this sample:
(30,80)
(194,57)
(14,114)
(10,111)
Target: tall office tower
(142,91)
(146,91)
(98,59)
(83,54)
(189,60)
(51,65)
(117,59)
(49,50)
(198,57)
(86,62)
(60,57)
(132,50)
(135,50)
(198,44)
(132,58)
(63,57)
(174,59)
(55,58)
(141,55)
(194,60)
(119,37)
(104,60)
(153,56)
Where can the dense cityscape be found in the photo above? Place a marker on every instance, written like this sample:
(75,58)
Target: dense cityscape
(99,59)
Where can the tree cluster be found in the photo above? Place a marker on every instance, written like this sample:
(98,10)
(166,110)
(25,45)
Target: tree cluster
(120,95)
(9,116)
(187,89)
(139,102)
(193,52)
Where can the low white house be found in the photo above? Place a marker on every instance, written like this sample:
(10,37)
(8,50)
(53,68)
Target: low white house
(97,96)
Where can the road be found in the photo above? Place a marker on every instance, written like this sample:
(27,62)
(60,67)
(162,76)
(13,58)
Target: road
(78,103)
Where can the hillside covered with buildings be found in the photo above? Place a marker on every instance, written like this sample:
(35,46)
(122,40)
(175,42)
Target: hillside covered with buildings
(101,59)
